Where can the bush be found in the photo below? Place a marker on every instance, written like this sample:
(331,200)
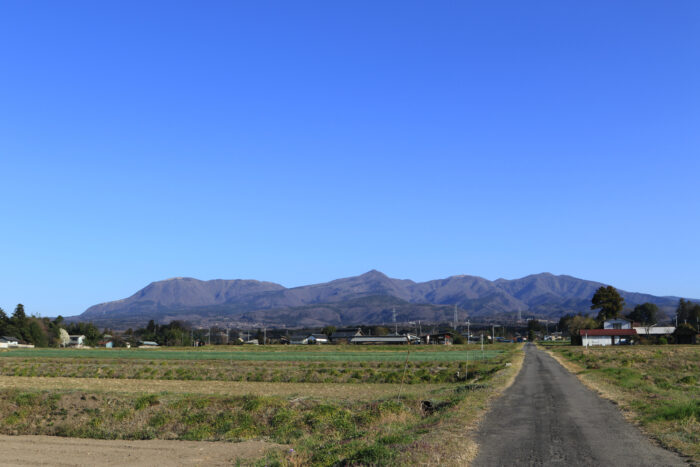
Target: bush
(146,401)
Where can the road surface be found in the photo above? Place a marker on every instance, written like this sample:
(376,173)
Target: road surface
(547,417)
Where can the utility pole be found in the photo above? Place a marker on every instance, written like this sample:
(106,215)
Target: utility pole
(482,346)
(264,335)
(466,366)
(468,332)
(455,318)
(493,332)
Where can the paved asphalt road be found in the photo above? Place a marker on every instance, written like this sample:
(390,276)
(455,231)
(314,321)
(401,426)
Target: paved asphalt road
(547,417)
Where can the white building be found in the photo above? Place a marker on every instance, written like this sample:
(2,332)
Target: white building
(77,340)
(655,330)
(590,337)
(617,323)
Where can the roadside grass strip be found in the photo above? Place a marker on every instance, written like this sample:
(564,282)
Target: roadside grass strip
(656,385)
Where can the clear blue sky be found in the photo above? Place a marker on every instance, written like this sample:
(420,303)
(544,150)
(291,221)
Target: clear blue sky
(299,142)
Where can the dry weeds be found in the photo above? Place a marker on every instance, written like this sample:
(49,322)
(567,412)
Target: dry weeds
(315,390)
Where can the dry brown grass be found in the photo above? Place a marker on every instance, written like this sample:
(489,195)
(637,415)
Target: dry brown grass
(450,441)
(314,390)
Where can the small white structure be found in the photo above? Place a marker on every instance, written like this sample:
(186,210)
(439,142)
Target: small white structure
(380,340)
(318,339)
(148,344)
(655,330)
(8,341)
(591,337)
(299,340)
(76,340)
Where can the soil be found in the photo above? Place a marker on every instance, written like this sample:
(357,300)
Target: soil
(55,451)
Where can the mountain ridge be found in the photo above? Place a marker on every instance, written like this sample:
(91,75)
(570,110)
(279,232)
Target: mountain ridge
(341,301)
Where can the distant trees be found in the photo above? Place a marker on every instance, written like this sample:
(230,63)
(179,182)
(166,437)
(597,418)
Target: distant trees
(688,312)
(608,301)
(90,331)
(646,313)
(42,332)
(572,324)
(329,330)
(533,327)
(63,337)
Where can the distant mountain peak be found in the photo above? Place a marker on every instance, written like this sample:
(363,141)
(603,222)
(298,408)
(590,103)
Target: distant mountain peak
(374,273)
(364,299)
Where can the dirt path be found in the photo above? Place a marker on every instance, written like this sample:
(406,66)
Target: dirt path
(547,417)
(54,451)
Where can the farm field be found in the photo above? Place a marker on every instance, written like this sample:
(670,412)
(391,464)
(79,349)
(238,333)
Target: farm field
(308,390)
(282,353)
(344,406)
(271,364)
(657,386)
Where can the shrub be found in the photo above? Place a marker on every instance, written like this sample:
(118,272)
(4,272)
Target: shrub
(147,400)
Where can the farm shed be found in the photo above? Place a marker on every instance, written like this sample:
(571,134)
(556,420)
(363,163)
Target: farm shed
(440,338)
(380,340)
(148,344)
(603,337)
(655,330)
(318,339)
(299,339)
(344,337)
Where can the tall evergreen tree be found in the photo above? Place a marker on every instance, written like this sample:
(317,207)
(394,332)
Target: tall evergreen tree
(609,301)
(644,313)
(19,322)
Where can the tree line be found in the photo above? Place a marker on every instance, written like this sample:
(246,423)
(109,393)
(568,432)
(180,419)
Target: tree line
(611,304)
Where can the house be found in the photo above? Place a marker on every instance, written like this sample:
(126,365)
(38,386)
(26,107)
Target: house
(616,331)
(299,339)
(591,337)
(393,339)
(318,339)
(76,340)
(251,342)
(344,337)
(617,323)
(106,343)
(440,338)
(8,341)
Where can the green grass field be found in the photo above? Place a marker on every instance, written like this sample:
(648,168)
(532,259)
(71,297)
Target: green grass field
(335,405)
(269,353)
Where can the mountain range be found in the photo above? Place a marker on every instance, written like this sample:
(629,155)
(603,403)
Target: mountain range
(370,298)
